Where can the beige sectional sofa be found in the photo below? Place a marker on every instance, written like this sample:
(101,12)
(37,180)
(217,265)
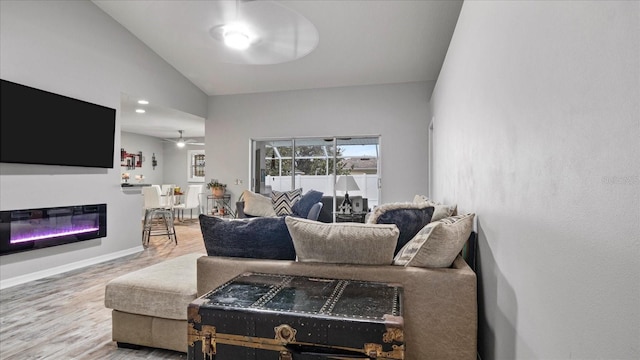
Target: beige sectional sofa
(440,307)
(440,289)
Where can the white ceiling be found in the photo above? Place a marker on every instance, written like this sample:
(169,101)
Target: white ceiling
(362,42)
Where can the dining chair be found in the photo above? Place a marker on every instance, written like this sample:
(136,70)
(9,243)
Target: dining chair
(158,216)
(165,188)
(191,201)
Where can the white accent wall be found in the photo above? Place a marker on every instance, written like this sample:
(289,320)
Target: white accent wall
(397,112)
(537,131)
(74,49)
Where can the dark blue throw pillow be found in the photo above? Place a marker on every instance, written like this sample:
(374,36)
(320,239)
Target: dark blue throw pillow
(408,217)
(260,237)
(301,207)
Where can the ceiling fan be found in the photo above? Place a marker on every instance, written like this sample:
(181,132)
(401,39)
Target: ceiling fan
(181,142)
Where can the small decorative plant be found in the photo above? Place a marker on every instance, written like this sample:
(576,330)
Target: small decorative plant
(215,184)
(217,188)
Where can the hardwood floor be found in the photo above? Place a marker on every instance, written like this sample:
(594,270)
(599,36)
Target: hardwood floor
(64,317)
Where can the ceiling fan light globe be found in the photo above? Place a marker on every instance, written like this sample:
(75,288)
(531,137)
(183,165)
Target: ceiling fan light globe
(236,39)
(180,144)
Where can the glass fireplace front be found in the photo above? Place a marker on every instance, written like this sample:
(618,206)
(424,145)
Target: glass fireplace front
(30,229)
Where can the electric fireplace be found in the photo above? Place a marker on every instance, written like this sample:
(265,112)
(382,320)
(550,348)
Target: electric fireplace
(31,229)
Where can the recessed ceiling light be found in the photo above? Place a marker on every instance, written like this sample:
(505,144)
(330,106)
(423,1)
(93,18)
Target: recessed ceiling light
(143,102)
(140,111)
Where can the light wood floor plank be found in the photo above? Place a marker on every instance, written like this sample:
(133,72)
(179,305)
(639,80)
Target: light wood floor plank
(64,317)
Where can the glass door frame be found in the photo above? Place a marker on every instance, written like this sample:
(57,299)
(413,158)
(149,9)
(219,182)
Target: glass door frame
(258,145)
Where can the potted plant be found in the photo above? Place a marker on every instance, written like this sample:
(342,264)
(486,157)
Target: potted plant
(217,188)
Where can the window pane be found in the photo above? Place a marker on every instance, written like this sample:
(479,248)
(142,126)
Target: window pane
(313,163)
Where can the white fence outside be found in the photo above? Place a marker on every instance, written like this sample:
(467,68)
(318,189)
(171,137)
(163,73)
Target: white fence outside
(368,184)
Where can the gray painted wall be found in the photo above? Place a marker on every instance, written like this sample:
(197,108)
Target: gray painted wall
(133,143)
(537,130)
(177,165)
(73,48)
(398,112)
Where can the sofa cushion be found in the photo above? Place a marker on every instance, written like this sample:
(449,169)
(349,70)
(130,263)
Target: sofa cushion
(343,243)
(437,244)
(409,217)
(162,290)
(284,200)
(440,211)
(302,207)
(257,205)
(259,237)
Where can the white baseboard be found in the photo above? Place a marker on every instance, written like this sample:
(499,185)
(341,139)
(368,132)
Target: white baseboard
(64,268)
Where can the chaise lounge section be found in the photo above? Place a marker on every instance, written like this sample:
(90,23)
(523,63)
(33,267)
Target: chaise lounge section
(149,306)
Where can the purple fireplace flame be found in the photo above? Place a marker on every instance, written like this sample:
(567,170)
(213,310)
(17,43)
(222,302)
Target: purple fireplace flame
(23,230)
(48,233)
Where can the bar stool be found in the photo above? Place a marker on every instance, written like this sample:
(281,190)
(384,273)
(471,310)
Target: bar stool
(158,216)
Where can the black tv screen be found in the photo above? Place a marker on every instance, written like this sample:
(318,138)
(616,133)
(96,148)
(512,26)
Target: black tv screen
(40,127)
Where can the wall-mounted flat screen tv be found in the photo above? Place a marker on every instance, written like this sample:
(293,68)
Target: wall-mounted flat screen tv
(40,127)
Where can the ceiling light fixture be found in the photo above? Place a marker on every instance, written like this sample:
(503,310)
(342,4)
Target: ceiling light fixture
(260,32)
(181,143)
(143,102)
(140,111)
(236,37)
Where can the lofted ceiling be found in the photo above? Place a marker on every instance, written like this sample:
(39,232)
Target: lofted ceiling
(361,42)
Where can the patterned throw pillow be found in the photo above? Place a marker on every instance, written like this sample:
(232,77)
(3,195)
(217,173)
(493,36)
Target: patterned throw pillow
(437,244)
(409,217)
(342,243)
(283,200)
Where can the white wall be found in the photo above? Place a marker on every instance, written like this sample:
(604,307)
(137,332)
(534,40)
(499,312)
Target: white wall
(398,112)
(537,130)
(73,48)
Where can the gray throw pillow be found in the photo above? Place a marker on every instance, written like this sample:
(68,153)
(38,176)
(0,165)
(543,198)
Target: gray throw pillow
(342,243)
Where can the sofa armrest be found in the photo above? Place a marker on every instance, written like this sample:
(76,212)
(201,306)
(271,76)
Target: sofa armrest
(440,305)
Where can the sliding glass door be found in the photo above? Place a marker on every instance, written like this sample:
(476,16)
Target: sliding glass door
(317,163)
